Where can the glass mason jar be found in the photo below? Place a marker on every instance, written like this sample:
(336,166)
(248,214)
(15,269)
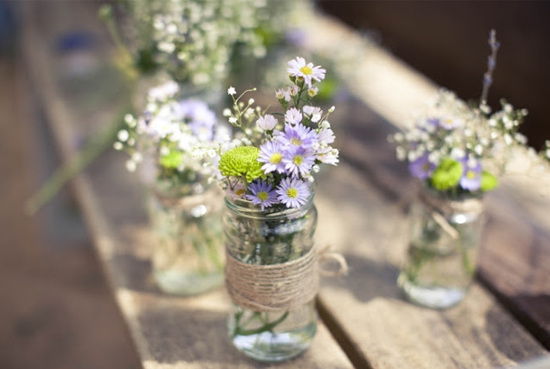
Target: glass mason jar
(188,256)
(443,250)
(278,238)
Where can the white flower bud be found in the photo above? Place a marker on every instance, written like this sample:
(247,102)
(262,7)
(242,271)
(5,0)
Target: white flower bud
(123,135)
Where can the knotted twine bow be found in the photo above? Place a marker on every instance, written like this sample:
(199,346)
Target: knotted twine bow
(279,287)
(440,207)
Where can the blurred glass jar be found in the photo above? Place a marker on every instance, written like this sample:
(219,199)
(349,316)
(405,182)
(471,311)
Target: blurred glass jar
(188,256)
(443,250)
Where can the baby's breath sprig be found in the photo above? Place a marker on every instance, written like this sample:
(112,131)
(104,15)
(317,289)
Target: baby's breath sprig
(182,137)
(459,148)
(240,109)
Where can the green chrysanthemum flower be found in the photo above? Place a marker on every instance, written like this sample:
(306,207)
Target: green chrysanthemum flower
(488,181)
(172,160)
(242,161)
(447,175)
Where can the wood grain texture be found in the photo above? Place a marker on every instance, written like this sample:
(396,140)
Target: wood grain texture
(368,306)
(516,264)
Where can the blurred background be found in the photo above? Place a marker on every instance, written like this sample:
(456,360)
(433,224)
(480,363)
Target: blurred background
(56,308)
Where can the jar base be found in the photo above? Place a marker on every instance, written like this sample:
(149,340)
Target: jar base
(431,297)
(185,284)
(275,347)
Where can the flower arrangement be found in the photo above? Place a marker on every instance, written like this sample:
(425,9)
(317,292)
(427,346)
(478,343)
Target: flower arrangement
(459,148)
(180,140)
(458,151)
(275,159)
(270,218)
(190,40)
(183,137)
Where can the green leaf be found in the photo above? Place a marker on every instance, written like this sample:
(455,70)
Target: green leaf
(447,175)
(488,181)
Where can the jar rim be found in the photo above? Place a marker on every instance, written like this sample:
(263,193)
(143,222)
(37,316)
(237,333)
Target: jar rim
(246,208)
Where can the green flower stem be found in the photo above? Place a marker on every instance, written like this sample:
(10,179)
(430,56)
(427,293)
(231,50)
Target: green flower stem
(196,242)
(77,164)
(468,266)
(268,327)
(106,14)
(211,247)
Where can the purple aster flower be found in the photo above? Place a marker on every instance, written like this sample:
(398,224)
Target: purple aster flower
(202,131)
(261,194)
(433,122)
(293,192)
(300,68)
(298,135)
(199,117)
(449,123)
(421,168)
(271,154)
(298,161)
(471,177)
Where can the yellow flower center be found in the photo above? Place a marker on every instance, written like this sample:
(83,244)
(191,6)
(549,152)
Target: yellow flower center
(425,167)
(470,174)
(296,141)
(275,158)
(262,195)
(298,159)
(240,191)
(292,193)
(306,70)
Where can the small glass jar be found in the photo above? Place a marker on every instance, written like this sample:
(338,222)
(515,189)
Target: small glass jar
(188,257)
(443,250)
(264,238)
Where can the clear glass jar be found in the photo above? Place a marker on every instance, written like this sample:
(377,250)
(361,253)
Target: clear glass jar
(270,237)
(188,257)
(443,250)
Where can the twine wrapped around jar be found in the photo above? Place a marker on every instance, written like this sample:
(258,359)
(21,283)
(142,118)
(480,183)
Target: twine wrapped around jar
(278,287)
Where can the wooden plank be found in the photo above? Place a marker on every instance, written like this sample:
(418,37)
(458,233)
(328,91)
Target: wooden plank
(169,332)
(516,265)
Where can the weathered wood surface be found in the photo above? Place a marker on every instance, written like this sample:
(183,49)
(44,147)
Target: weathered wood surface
(359,215)
(169,332)
(516,251)
(516,264)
